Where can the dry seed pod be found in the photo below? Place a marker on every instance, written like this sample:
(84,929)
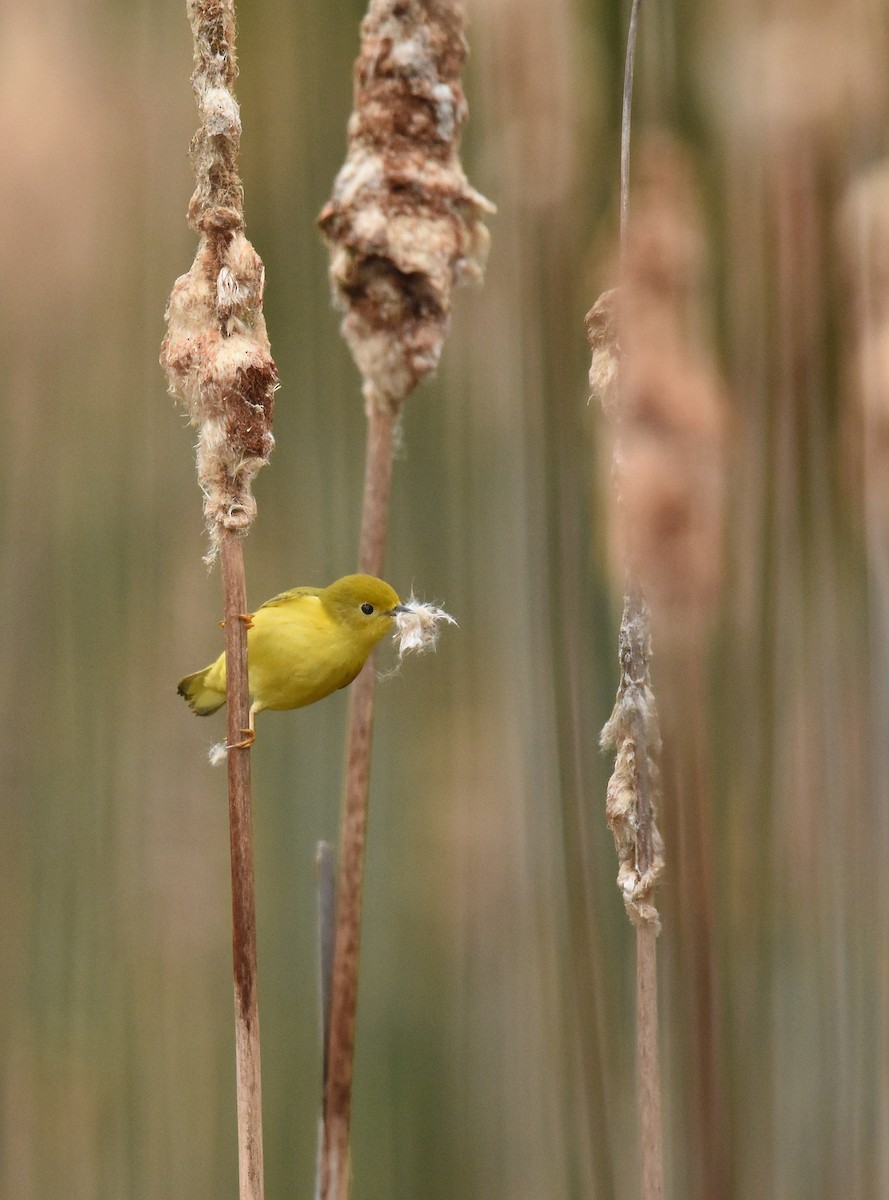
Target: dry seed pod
(403,225)
(633,793)
(864,245)
(216,351)
(668,407)
(806,73)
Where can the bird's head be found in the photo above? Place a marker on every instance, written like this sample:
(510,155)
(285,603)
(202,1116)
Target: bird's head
(363,603)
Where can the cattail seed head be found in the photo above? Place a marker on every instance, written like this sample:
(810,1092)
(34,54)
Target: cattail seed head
(633,793)
(863,230)
(403,225)
(666,405)
(805,73)
(216,351)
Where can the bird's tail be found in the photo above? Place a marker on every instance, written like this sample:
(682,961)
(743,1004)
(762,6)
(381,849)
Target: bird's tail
(200,698)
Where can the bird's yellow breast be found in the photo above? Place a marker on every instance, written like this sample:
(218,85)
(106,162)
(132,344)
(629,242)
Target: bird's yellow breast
(298,653)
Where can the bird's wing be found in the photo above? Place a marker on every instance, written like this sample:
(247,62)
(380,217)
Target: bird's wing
(287,597)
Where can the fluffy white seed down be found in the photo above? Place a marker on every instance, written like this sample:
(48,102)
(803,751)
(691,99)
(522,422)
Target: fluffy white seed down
(417,631)
(217,754)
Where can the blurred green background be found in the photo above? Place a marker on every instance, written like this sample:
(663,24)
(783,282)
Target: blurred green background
(495,1039)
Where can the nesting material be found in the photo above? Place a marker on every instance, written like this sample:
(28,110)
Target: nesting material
(217,753)
(417,631)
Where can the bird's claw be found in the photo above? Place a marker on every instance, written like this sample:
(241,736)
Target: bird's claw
(247,618)
(249,739)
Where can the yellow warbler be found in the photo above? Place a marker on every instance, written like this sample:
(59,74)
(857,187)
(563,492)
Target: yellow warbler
(303,645)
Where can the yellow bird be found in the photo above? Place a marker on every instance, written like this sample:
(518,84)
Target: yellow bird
(302,645)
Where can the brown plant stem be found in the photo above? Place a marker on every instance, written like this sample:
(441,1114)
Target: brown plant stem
(625,126)
(382,423)
(325,889)
(240,806)
(647,1065)
(404,229)
(219,366)
(642,731)
(651,1149)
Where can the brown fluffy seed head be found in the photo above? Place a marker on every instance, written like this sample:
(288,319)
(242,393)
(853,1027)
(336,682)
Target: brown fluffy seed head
(214,148)
(633,793)
(216,351)
(667,407)
(672,485)
(863,230)
(806,72)
(219,366)
(403,225)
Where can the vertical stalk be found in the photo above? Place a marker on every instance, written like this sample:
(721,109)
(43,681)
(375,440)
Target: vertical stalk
(636,611)
(226,384)
(632,729)
(240,807)
(626,117)
(651,1149)
(404,228)
(382,421)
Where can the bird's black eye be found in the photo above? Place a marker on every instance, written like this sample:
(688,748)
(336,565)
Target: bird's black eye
(367,609)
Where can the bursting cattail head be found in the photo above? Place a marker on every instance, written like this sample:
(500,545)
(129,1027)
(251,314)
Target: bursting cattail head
(218,361)
(666,405)
(863,229)
(806,73)
(633,794)
(403,225)
(216,351)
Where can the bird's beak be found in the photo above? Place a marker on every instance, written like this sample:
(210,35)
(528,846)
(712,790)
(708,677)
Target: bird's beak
(397,609)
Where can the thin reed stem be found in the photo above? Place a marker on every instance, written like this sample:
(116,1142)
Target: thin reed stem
(227,386)
(651,1149)
(325,889)
(382,421)
(240,807)
(641,730)
(398,247)
(625,127)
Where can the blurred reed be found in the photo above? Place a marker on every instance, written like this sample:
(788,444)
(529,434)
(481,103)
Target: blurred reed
(666,520)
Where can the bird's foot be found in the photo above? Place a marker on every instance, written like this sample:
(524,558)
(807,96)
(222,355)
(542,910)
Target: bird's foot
(249,739)
(247,618)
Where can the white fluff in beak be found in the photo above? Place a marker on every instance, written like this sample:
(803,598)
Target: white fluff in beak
(417,626)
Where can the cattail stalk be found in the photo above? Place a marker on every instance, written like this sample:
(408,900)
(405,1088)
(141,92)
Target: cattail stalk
(632,729)
(404,228)
(340,1050)
(219,366)
(240,812)
(631,809)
